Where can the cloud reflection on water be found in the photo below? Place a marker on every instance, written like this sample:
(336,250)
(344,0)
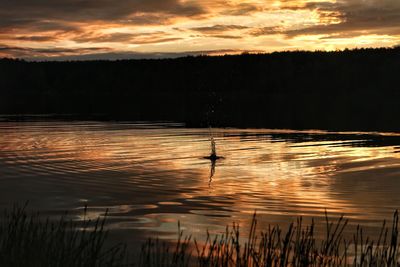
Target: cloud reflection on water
(149,178)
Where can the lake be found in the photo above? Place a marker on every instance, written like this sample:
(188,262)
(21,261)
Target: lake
(151,175)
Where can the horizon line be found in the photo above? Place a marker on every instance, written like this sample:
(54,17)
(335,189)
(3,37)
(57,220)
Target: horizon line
(118,56)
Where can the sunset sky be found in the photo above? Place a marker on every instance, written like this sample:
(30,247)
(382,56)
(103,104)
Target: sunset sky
(64,29)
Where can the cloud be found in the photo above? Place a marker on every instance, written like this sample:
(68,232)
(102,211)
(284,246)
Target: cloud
(350,18)
(267,31)
(227,36)
(241,9)
(26,52)
(42,12)
(128,38)
(34,38)
(218,28)
(220,31)
(154,25)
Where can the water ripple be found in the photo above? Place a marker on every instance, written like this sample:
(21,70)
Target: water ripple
(149,176)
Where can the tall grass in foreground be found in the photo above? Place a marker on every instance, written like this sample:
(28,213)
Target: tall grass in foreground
(297,246)
(29,240)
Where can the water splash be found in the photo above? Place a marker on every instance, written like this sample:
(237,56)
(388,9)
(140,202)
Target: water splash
(213,148)
(213,155)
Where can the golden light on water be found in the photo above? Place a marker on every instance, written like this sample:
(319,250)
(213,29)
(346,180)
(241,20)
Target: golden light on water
(151,178)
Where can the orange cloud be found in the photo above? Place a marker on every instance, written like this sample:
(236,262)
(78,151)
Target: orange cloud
(30,27)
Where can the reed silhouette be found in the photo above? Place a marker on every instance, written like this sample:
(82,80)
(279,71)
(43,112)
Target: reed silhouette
(28,240)
(274,247)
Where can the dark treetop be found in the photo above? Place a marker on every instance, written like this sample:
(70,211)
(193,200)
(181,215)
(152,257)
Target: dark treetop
(349,90)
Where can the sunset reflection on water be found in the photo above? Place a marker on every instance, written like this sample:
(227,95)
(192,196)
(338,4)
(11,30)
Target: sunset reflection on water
(149,176)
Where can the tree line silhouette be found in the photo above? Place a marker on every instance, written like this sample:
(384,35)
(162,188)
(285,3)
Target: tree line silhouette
(341,90)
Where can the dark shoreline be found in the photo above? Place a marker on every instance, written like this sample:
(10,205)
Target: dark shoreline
(351,90)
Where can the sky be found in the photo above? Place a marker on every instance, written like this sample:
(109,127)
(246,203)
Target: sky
(112,29)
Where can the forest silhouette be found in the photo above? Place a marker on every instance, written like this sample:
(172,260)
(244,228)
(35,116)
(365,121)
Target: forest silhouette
(341,90)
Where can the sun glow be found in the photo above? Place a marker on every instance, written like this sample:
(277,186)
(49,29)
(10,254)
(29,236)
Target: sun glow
(189,26)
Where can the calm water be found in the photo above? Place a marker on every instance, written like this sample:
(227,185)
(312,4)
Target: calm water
(150,176)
